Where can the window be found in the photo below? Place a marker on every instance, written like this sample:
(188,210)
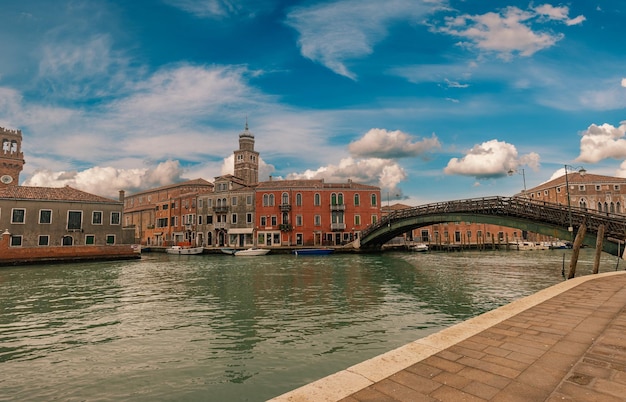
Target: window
(16,241)
(333,199)
(110,239)
(298,220)
(18,215)
(209,219)
(581,187)
(249,200)
(96,218)
(173,205)
(374,201)
(271,202)
(263,221)
(233,218)
(43,240)
(357,220)
(90,239)
(374,218)
(317,200)
(161,223)
(299,199)
(74,220)
(249,217)
(174,221)
(266,200)
(209,203)
(340,199)
(200,203)
(357,199)
(165,206)
(318,220)
(45,216)
(285,199)
(616,187)
(233,201)
(67,240)
(558,189)
(199,219)
(274,220)
(545,192)
(598,187)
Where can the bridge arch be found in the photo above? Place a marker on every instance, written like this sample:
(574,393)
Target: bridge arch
(516,212)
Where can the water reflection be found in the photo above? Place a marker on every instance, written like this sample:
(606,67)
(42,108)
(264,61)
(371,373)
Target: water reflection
(225,328)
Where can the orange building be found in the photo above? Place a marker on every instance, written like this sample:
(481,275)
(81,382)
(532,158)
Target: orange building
(313,213)
(166,215)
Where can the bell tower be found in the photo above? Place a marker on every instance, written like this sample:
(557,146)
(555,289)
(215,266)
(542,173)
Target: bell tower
(11,157)
(246,158)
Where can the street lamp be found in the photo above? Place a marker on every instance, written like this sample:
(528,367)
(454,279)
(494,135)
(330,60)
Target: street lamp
(581,171)
(510,173)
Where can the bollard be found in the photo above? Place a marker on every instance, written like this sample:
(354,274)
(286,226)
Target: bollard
(576,250)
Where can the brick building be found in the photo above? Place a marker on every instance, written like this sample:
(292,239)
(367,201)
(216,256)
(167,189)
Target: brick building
(314,213)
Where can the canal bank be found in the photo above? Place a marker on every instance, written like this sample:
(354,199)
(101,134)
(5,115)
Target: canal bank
(567,342)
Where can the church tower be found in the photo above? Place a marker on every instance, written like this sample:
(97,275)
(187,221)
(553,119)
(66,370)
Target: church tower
(11,157)
(247,159)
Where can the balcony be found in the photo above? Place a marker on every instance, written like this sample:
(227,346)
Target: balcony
(337,226)
(337,207)
(285,207)
(220,209)
(285,227)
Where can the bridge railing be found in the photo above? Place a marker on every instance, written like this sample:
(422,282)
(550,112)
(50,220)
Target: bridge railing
(521,207)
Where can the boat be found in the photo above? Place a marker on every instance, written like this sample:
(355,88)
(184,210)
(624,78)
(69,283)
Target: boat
(251,252)
(528,245)
(313,251)
(421,247)
(228,250)
(182,250)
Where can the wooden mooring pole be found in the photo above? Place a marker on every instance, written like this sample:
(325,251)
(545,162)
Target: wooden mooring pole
(596,261)
(576,250)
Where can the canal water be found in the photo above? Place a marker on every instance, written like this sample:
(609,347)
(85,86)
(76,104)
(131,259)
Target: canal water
(223,328)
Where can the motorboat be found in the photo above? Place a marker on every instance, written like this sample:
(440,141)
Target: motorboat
(313,251)
(528,245)
(183,250)
(228,250)
(253,251)
(421,247)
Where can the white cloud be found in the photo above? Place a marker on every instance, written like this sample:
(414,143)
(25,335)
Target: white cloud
(381,143)
(559,14)
(331,33)
(490,159)
(508,32)
(623,83)
(384,173)
(217,9)
(602,142)
(107,181)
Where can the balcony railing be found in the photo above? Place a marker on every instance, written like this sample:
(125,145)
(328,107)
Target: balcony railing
(337,207)
(285,227)
(220,209)
(337,226)
(285,207)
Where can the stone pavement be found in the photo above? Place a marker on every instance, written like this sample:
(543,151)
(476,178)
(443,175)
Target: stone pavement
(565,343)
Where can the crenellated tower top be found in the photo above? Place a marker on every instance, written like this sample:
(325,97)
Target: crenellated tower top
(11,157)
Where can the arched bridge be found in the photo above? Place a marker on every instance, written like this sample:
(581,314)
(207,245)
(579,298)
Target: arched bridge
(517,212)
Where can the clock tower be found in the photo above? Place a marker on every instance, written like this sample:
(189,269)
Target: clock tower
(247,159)
(11,157)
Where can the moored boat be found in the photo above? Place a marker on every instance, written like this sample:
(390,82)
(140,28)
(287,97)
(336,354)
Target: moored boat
(182,250)
(251,252)
(420,247)
(313,251)
(228,250)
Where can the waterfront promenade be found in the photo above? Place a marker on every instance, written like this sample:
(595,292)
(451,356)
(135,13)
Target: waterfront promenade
(565,343)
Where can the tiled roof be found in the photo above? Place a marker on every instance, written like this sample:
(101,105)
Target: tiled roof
(194,182)
(66,193)
(312,183)
(577,178)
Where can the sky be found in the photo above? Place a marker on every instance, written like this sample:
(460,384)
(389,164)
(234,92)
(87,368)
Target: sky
(431,100)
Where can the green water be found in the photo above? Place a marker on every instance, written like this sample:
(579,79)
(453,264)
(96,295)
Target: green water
(223,328)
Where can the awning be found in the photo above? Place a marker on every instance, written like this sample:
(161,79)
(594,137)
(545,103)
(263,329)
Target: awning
(241,231)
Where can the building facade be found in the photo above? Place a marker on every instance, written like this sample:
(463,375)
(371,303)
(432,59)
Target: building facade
(314,213)
(165,216)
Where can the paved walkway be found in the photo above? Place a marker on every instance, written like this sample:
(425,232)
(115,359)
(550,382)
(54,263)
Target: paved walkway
(565,343)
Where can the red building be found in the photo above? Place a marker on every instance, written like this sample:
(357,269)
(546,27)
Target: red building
(313,213)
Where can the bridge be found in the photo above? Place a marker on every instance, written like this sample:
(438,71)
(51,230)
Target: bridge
(516,212)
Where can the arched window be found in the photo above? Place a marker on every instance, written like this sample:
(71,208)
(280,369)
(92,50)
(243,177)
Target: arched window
(299,199)
(219,202)
(285,199)
(68,240)
(271,204)
(599,207)
(374,201)
(606,207)
(266,200)
(357,199)
(340,199)
(333,199)
(618,208)
(612,208)
(583,204)
(317,200)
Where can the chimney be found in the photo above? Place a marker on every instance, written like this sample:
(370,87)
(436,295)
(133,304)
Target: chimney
(122,195)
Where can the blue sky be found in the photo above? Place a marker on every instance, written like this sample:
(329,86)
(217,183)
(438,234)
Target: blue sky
(431,100)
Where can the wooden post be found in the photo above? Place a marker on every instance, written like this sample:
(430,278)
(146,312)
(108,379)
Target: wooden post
(596,261)
(576,250)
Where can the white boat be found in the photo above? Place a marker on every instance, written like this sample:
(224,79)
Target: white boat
(184,250)
(251,252)
(228,250)
(528,245)
(420,247)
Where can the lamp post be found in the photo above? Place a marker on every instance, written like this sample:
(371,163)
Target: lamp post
(510,173)
(581,170)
